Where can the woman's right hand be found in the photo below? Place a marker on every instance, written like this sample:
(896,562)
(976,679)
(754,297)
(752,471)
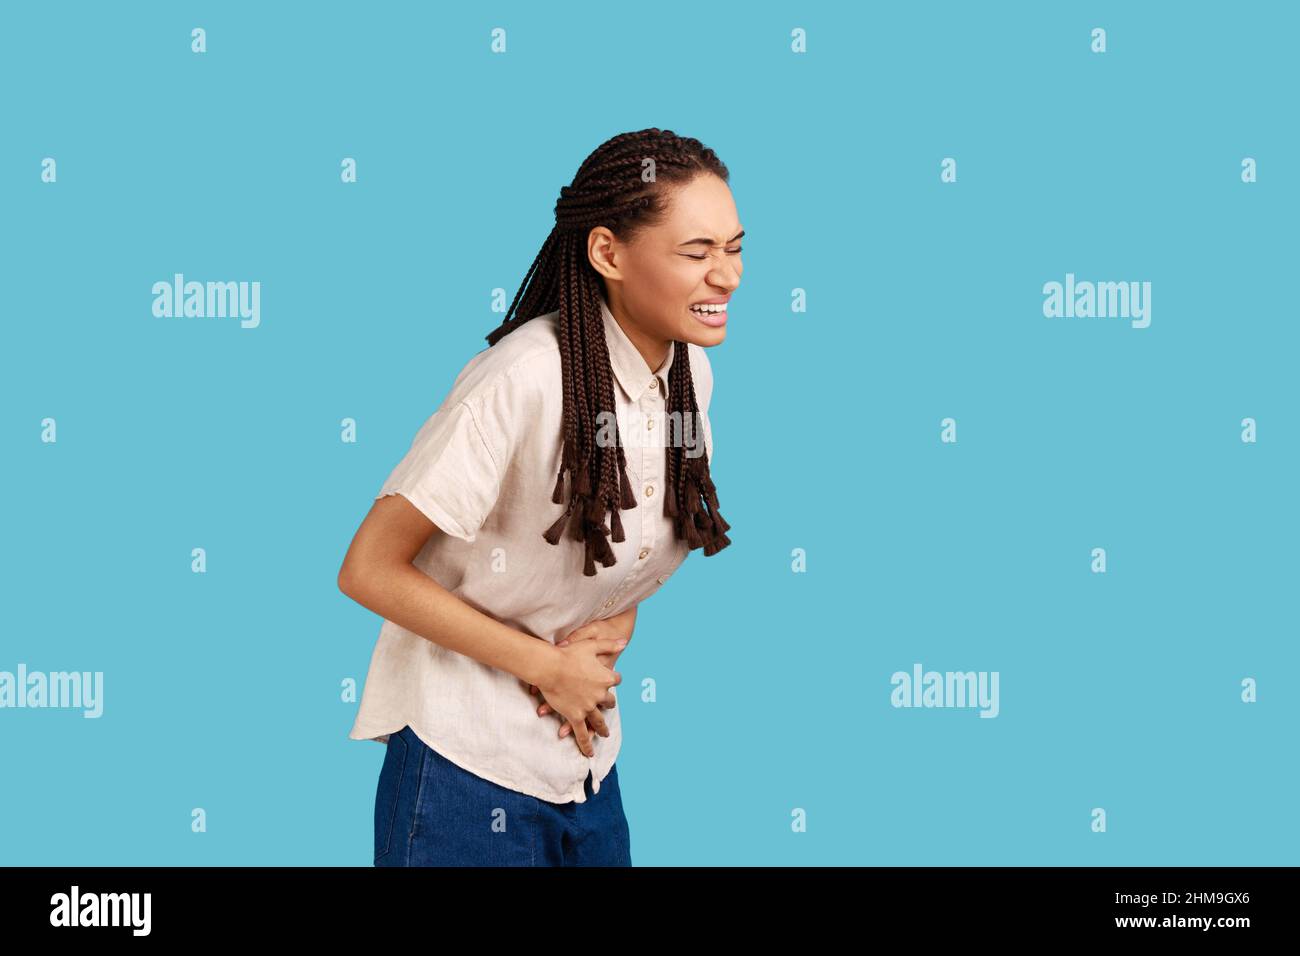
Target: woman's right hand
(579,683)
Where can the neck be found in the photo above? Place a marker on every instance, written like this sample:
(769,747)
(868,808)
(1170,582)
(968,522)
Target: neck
(653,350)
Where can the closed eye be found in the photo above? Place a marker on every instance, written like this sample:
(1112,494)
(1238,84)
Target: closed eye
(734,252)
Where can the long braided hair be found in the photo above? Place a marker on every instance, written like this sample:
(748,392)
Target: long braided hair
(609,190)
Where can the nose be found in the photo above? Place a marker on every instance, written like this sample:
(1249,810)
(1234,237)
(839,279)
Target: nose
(725,276)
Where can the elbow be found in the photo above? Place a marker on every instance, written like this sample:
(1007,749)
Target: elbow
(366,583)
(369,579)
(347,581)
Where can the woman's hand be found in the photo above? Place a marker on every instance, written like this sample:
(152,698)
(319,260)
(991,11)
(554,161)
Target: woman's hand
(587,632)
(579,685)
(620,626)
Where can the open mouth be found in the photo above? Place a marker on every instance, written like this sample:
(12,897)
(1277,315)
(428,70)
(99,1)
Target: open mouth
(710,313)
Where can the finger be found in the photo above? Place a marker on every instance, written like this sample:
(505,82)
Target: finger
(567,729)
(610,645)
(543,710)
(596,720)
(608,702)
(583,738)
(581,633)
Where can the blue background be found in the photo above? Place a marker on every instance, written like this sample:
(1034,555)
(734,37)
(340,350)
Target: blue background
(1118,690)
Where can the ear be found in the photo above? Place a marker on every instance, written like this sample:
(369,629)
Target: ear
(602,253)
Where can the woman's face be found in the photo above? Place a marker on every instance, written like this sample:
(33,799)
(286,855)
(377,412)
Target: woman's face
(692,257)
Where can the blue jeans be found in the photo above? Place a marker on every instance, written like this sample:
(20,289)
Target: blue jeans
(432,812)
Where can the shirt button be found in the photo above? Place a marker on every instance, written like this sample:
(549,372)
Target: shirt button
(609,603)
(649,490)
(649,423)
(644,552)
(661,579)
(654,383)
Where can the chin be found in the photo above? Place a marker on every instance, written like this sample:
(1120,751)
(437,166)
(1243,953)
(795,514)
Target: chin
(704,337)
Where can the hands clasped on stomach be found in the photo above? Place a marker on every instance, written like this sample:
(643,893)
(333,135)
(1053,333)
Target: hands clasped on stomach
(577,689)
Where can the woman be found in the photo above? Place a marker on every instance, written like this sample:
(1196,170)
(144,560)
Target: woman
(487,551)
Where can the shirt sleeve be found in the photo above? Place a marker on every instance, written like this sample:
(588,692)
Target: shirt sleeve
(450,472)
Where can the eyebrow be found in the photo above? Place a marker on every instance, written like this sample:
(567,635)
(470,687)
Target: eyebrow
(710,242)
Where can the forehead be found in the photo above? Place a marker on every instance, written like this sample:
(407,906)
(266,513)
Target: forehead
(703,207)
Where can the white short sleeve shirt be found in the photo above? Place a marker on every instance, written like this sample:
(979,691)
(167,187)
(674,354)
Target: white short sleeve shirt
(482,468)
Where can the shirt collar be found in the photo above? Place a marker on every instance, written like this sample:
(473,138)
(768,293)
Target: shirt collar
(630,368)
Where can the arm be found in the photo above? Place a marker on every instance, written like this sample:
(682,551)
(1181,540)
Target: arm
(624,623)
(378,574)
